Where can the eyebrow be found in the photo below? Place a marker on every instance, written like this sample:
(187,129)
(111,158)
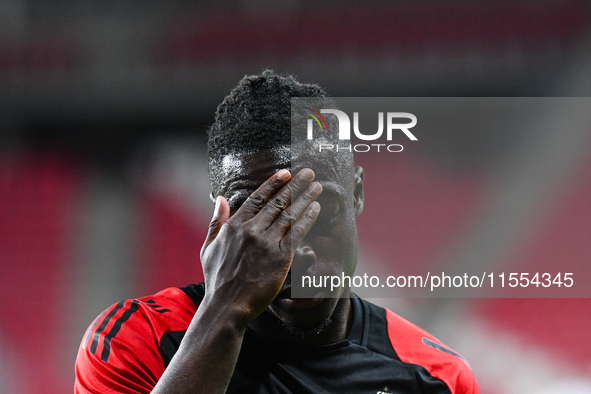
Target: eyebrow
(240,190)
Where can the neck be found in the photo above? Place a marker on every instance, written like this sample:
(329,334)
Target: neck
(268,325)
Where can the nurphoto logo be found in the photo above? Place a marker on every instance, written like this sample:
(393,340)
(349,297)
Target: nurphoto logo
(392,125)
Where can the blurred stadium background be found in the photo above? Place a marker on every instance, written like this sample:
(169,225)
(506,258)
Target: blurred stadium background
(104,192)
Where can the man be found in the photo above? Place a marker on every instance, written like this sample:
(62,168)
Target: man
(241,331)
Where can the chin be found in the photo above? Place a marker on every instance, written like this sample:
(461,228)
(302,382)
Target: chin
(304,315)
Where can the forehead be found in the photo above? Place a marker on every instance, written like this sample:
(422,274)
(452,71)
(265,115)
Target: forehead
(243,173)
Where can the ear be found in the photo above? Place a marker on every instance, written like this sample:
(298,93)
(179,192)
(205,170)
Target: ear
(358,191)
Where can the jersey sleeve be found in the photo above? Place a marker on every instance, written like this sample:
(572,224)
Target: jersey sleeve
(120,351)
(416,346)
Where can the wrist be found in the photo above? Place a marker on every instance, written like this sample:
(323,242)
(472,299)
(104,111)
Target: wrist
(224,313)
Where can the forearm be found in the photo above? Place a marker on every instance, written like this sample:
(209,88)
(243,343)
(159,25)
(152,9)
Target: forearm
(205,361)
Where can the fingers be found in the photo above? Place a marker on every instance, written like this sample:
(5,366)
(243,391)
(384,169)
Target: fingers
(279,203)
(291,214)
(221,214)
(300,228)
(261,196)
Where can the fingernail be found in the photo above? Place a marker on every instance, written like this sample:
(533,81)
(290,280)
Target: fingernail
(283,175)
(216,209)
(315,187)
(307,174)
(315,206)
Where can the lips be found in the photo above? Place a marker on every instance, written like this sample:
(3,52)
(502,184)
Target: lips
(298,304)
(285,300)
(285,292)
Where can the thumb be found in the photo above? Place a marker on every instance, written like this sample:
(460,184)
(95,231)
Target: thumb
(221,214)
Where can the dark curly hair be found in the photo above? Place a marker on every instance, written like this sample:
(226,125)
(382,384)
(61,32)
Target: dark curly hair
(255,116)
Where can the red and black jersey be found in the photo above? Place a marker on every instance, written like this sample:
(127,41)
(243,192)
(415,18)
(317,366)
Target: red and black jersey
(127,348)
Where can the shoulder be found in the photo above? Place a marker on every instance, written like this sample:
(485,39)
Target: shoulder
(413,345)
(122,350)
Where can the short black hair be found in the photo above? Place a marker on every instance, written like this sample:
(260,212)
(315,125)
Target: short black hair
(255,116)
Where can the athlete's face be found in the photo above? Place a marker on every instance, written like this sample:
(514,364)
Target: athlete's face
(330,247)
